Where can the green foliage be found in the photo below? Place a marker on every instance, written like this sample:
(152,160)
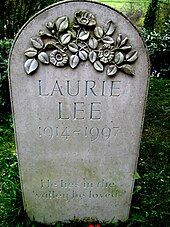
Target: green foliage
(9,181)
(150,203)
(150,18)
(158,109)
(150,199)
(157,12)
(163,15)
(135,12)
(159,50)
(4,87)
(126,3)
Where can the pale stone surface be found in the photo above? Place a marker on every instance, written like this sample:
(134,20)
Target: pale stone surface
(77,130)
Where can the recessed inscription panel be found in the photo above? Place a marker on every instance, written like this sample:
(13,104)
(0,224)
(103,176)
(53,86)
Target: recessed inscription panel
(78,127)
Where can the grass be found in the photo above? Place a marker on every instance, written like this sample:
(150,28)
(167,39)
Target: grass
(117,4)
(150,199)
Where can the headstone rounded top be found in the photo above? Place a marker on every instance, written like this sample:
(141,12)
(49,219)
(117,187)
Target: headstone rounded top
(69,33)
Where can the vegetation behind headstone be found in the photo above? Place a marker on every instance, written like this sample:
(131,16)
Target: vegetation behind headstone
(150,18)
(159,50)
(14,13)
(5,46)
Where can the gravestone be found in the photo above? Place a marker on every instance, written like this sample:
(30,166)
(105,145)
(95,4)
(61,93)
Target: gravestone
(78,75)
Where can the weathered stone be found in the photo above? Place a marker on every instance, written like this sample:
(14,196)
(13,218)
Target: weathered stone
(78,77)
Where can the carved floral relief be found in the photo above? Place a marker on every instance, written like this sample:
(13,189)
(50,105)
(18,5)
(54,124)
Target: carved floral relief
(66,43)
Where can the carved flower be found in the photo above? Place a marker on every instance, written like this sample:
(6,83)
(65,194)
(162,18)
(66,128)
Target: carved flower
(85,18)
(106,53)
(58,58)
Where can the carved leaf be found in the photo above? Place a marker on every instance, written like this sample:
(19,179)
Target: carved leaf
(74,60)
(108,40)
(109,28)
(83,55)
(93,43)
(65,39)
(62,23)
(126,48)
(31,65)
(119,57)
(98,31)
(37,42)
(44,58)
(92,56)
(73,47)
(84,35)
(31,52)
(124,41)
(119,40)
(132,56)
(112,70)
(127,69)
(98,66)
